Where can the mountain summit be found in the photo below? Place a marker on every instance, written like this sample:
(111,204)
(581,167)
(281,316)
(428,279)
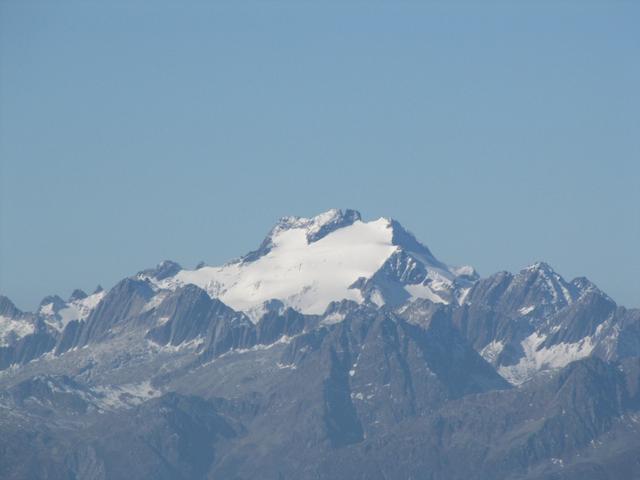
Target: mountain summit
(307,263)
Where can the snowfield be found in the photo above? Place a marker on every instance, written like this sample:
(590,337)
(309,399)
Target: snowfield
(16,328)
(305,276)
(74,310)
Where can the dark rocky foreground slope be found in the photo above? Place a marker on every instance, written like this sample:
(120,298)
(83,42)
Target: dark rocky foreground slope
(379,394)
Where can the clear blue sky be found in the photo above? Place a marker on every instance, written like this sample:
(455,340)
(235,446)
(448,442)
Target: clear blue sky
(134,131)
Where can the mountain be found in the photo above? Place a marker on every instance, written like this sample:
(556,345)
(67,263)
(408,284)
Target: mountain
(23,336)
(339,348)
(307,263)
(535,320)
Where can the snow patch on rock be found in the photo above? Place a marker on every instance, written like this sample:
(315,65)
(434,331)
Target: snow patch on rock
(11,328)
(536,359)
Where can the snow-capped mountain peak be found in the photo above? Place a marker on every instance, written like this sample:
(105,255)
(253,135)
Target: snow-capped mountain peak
(307,263)
(315,228)
(57,313)
(556,289)
(320,225)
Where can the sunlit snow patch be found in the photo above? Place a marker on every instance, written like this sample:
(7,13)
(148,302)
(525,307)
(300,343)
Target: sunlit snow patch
(536,359)
(305,276)
(13,328)
(125,396)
